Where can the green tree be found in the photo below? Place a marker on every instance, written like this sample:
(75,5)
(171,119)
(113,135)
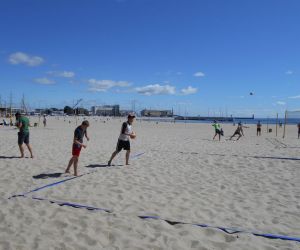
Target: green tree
(68,110)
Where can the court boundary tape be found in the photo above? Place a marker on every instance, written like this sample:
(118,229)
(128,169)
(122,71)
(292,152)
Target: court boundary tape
(65,180)
(226,230)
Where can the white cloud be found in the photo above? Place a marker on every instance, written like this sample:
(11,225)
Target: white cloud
(295,97)
(281,103)
(156,89)
(189,90)
(104,85)
(23,58)
(199,74)
(67,74)
(44,81)
(289,72)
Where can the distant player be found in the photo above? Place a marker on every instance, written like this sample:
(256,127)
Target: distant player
(79,133)
(124,139)
(45,121)
(217,130)
(298,130)
(239,131)
(258,129)
(23,124)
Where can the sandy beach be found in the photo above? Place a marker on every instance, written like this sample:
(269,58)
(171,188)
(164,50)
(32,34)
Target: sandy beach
(177,173)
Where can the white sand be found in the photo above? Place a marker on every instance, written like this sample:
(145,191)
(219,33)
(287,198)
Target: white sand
(183,176)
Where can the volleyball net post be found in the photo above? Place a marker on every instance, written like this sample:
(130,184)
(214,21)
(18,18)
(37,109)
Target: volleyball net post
(291,121)
(284,127)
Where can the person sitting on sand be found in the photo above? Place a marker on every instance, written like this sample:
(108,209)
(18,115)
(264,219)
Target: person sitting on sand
(239,131)
(79,133)
(23,124)
(258,129)
(217,130)
(123,141)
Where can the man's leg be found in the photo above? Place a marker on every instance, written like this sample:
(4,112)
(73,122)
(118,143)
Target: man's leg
(21,150)
(75,165)
(21,139)
(69,165)
(215,136)
(30,149)
(112,157)
(127,157)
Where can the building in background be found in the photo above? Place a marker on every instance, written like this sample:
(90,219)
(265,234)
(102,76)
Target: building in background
(156,113)
(106,110)
(125,112)
(5,112)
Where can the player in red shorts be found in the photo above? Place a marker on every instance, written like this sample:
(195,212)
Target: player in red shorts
(79,133)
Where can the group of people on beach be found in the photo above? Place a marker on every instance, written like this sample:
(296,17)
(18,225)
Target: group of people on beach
(123,142)
(219,131)
(22,122)
(239,130)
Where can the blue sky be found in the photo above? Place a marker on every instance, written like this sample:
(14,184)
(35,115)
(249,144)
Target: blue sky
(197,56)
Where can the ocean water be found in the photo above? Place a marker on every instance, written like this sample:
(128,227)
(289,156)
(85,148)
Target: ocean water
(263,121)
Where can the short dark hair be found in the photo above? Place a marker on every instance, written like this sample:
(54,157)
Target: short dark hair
(17,114)
(85,123)
(131,115)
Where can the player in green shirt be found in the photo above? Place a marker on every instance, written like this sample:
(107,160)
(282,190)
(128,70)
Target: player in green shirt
(22,123)
(218,130)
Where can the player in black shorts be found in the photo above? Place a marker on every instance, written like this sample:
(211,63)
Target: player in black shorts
(124,139)
(258,129)
(239,131)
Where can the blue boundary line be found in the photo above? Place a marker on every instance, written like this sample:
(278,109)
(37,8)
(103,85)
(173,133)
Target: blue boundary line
(137,155)
(227,230)
(91,208)
(65,180)
(49,185)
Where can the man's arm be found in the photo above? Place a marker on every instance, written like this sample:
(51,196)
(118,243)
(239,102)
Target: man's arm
(242,131)
(124,126)
(86,135)
(19,124)
(75,141)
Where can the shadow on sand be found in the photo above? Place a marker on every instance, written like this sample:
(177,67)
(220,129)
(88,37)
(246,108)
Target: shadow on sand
(10,157)
(97,166)
(46,176)
(102,166)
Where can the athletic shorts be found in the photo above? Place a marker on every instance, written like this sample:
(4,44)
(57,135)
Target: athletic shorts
(258,129)
(237,133)
(23,138)
(76,150)
(218,131)
(123,145)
